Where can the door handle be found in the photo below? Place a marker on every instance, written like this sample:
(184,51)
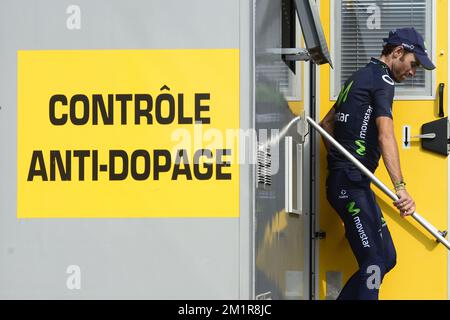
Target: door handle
(292,180)
(441,99)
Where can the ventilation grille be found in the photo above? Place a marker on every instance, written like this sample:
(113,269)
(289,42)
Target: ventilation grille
(264,168)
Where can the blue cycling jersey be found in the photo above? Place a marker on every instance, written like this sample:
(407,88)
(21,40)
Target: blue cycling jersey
(366,95)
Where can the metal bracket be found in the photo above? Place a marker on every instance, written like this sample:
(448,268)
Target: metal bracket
(302,127)
(291,54)
(264,296)
(443,234)
(435,136)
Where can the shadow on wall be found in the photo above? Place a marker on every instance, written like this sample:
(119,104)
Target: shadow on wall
(389,209)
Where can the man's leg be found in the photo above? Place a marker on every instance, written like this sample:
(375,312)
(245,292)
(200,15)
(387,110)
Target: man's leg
(389,252)
(371,246)
(351,290)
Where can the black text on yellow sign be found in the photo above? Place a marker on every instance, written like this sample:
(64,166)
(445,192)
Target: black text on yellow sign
(101,134)
(137,165)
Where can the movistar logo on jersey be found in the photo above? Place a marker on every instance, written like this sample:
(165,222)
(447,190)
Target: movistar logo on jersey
(344,93)
(361,144)
(341,117)
(365,123)
(354,211)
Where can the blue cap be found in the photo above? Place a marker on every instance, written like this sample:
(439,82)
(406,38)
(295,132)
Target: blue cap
(412,41)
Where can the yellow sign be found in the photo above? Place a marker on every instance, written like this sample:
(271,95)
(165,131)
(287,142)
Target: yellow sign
(128,133)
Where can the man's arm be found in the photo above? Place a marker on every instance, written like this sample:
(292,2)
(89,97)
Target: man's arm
(327,124)
(389,151)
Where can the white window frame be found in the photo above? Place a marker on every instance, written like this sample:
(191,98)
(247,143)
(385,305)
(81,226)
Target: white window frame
(335,24)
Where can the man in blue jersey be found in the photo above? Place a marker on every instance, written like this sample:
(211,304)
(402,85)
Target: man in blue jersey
(361,121)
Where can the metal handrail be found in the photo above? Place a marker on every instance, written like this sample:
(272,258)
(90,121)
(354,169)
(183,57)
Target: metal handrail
(439,235)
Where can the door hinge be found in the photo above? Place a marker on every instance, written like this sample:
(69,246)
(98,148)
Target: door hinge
(320,235)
